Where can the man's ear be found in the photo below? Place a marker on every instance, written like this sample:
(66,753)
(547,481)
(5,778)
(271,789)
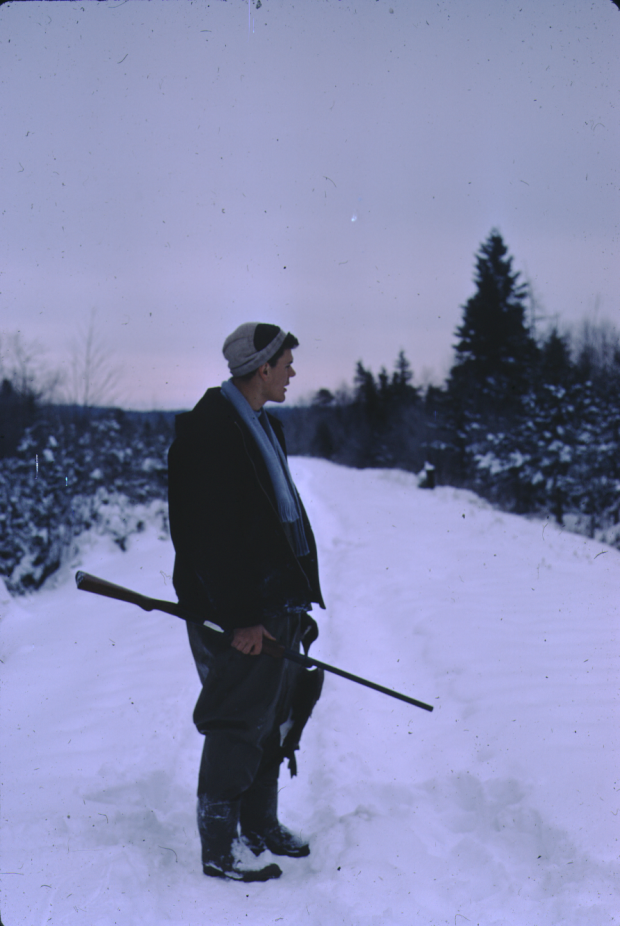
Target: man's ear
(263,371)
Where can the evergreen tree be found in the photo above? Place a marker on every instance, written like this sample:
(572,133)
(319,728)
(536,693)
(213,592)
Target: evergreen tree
(365,386)
(323,398)
(495,351)
(555,365)
(401,387)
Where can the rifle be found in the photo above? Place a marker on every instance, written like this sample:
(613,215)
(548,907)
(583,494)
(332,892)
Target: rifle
(89,583)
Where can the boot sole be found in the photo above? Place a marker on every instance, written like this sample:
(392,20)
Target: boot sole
(260,845)
(260,874)
(302,852)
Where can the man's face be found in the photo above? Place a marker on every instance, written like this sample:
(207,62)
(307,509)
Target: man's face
(277,378)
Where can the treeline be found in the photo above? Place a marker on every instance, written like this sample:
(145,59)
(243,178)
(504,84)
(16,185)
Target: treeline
(379,421)
(533,424)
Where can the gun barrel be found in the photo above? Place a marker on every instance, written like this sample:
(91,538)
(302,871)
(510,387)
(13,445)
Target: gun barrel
(309,662)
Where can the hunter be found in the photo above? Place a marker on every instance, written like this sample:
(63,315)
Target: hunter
(246,560)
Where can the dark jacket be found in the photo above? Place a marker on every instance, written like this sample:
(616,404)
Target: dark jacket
(234,563)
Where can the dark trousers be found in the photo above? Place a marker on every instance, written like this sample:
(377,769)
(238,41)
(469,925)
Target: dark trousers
(243,704)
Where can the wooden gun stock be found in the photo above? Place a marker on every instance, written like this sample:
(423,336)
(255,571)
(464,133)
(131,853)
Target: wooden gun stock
(88,583)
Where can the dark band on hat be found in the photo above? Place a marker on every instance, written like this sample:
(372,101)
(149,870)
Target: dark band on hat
(264,335)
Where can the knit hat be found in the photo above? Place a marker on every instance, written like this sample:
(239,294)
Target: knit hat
(251,345)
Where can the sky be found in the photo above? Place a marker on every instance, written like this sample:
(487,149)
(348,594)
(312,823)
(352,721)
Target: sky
(171,170)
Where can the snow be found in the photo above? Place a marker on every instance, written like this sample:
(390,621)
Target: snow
(500,808)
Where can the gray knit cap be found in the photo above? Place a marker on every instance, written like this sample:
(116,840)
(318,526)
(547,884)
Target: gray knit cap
(245,352)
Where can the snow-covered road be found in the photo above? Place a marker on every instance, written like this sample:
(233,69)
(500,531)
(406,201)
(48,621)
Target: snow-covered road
(500,807)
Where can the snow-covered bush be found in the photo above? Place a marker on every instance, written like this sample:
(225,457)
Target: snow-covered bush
(73,473)
(560,454)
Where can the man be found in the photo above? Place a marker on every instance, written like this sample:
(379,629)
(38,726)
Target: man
(245,560)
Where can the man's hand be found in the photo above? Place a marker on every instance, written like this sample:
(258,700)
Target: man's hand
(249,640)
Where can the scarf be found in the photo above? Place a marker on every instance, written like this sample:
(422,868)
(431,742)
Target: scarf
(287,498)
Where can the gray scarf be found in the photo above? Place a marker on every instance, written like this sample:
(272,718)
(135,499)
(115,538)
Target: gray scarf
(287,499)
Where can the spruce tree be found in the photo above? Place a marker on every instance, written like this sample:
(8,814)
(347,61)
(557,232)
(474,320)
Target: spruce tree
(555,365)
(400,386)
(495,351)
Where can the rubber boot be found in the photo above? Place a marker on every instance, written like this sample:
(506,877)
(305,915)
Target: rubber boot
(260,827)
(218,823)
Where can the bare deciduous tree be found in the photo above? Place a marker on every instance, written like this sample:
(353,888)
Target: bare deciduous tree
(26,382)
(22,364)
(94,376)
(596,347)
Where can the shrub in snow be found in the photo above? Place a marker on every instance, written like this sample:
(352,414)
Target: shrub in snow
(72,474)
(559,454)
